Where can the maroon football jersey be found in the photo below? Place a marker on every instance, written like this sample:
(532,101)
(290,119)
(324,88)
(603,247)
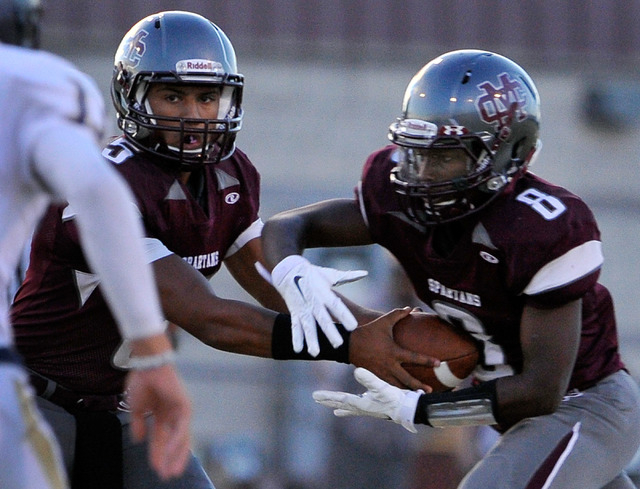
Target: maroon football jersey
(535,240)
(63,326)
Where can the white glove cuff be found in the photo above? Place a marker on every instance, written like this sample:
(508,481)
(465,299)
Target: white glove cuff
(281,270)
(407,410)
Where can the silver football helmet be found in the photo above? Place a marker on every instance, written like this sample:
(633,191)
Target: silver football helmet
(182,48)
(476,101)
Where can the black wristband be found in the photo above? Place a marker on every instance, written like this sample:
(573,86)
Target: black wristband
(282,345)
(484,390)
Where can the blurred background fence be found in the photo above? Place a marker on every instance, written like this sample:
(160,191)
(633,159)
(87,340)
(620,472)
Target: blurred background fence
(602,31)
(324,79)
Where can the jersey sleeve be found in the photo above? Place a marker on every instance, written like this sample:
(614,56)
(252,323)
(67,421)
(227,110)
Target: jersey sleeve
(252,232)
(155,249)
(374,194)
(554,253)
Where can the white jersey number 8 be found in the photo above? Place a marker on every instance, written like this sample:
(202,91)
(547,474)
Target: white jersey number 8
(547,206)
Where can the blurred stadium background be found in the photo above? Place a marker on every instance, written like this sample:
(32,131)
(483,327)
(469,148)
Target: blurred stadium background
(324,79)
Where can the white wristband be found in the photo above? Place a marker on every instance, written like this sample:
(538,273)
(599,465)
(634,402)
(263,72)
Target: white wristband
(150,362)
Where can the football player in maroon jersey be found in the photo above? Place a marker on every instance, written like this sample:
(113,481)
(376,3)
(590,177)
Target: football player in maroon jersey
(178,97)
(502,253)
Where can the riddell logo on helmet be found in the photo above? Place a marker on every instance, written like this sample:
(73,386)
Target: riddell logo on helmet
(417,128)
(198,65)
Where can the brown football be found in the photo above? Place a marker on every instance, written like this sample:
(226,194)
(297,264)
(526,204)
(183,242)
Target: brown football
(428,334)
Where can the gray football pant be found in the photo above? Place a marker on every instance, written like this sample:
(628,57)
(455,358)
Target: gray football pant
(585,444)
(137,473)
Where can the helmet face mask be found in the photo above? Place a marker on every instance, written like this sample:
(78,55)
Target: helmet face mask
(181,49)
(474,101)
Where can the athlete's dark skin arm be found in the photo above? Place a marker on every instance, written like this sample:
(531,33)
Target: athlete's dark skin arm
(241,266)
(326,224)
(549,337)
(188,300)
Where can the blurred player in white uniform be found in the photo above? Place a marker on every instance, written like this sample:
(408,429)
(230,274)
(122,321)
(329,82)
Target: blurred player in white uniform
(52,118)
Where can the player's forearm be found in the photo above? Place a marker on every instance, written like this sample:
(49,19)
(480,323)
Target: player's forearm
(282,236)
(496,402)
(151,345)
(189,301)
(151,352)
(330,223)
(520,398)
(245,329)
(363,314)
(236,327)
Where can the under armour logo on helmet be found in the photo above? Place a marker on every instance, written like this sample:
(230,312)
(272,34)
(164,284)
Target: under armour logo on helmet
(453,131)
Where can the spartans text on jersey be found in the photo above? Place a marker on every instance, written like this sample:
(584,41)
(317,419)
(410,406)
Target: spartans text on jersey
(203,261)
(456,295)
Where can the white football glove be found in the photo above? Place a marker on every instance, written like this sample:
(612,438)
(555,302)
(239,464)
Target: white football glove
(306,288)
(381,400)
